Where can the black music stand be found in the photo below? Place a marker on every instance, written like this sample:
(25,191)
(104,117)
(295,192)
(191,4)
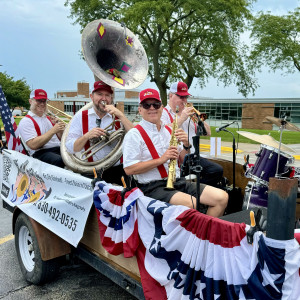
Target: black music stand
(197,168)
(235,202)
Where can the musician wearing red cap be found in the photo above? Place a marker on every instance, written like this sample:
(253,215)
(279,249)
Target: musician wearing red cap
(212,172)
(88,125)
(146,154)
(40,133)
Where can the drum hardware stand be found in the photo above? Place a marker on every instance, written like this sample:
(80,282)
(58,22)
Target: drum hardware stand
(249,197)
(282,127)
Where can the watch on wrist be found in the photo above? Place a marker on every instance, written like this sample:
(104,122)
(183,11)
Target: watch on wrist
(187,148)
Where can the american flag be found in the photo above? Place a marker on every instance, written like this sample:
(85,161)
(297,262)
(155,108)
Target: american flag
(183,254)
(10,127)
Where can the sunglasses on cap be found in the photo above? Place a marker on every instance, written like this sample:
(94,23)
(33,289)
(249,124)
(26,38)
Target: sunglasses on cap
(156,105)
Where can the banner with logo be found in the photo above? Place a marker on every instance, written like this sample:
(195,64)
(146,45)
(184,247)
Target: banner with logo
(56,198)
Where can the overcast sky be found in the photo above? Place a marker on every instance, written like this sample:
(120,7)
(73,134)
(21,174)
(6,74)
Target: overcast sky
(39,43)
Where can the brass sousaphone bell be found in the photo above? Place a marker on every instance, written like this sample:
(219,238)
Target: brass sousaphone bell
(115,56)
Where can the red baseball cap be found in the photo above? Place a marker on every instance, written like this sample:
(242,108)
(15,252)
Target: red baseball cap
(100,85)
(149,94)
(179,88)
(38,94)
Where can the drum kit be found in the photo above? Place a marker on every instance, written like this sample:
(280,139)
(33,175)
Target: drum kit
(272,161)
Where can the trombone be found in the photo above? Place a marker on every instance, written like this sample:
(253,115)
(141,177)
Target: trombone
(49,112)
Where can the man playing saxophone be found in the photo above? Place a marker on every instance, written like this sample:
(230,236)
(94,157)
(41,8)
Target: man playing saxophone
(212,172)
(147,151)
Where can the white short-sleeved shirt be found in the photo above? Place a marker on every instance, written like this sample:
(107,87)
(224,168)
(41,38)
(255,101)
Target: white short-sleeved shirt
(135,150)
(76,131)
(28,132)
(188,125)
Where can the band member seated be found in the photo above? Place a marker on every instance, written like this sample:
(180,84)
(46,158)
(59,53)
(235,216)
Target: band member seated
(212,172)
(146,153)
(87,126)
(41,133)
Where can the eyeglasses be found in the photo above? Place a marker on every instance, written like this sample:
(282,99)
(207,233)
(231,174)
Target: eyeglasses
(182,97)
(156,105)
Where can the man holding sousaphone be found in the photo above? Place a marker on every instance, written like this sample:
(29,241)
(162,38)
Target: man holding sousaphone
(40,132)
(146,152)
(94,125)
(212,172)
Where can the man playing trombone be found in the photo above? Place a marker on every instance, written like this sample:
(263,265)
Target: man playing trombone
(88,126)
(41,133)
(212,172)
(147,151)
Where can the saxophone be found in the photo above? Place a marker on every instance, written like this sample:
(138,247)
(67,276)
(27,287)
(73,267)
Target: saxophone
(172,164)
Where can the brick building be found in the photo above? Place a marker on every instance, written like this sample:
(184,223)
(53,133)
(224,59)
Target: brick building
(249,113)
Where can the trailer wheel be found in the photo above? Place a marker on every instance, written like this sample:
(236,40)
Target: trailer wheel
(34,269)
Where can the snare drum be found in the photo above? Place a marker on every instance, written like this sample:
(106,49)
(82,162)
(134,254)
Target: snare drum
(256,195)
(266,164)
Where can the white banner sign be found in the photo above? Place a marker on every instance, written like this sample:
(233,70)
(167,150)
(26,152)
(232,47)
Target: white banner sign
(56,198)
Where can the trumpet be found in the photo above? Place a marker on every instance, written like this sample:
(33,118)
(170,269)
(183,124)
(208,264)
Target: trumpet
(194,118)
(52,114)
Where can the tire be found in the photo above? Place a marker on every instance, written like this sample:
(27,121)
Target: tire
(33,268)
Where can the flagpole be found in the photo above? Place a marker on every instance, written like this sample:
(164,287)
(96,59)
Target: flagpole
(24,147)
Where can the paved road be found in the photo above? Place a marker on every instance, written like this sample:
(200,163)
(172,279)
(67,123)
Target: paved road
(75,281)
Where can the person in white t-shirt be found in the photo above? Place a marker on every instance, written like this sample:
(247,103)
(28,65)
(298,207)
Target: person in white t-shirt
(40,133)
(89,125)
(146,153)
(212,172)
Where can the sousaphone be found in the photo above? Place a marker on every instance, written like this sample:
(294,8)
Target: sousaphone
(115,56)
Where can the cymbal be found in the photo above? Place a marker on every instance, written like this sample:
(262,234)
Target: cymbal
(266,140)
(288,125)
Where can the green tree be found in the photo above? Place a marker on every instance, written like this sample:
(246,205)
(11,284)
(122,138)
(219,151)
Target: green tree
(277,41)
(183,39)
(16,91)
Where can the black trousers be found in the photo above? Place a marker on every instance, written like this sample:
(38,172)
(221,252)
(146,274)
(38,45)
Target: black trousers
(51,156)
(111,175)
(114,174)
(211,173)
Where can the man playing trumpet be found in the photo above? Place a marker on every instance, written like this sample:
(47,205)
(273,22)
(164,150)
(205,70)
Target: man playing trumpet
(89,125)
(147,151)
(41,133)
(212,172)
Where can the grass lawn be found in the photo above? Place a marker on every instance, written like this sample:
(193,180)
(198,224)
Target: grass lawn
(288,137)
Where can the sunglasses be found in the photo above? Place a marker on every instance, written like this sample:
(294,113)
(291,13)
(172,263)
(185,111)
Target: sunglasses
(148,105)
(182,97)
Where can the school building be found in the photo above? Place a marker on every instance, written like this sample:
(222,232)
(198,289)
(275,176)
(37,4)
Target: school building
(250,113)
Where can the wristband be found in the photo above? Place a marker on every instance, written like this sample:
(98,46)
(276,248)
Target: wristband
(187,148)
